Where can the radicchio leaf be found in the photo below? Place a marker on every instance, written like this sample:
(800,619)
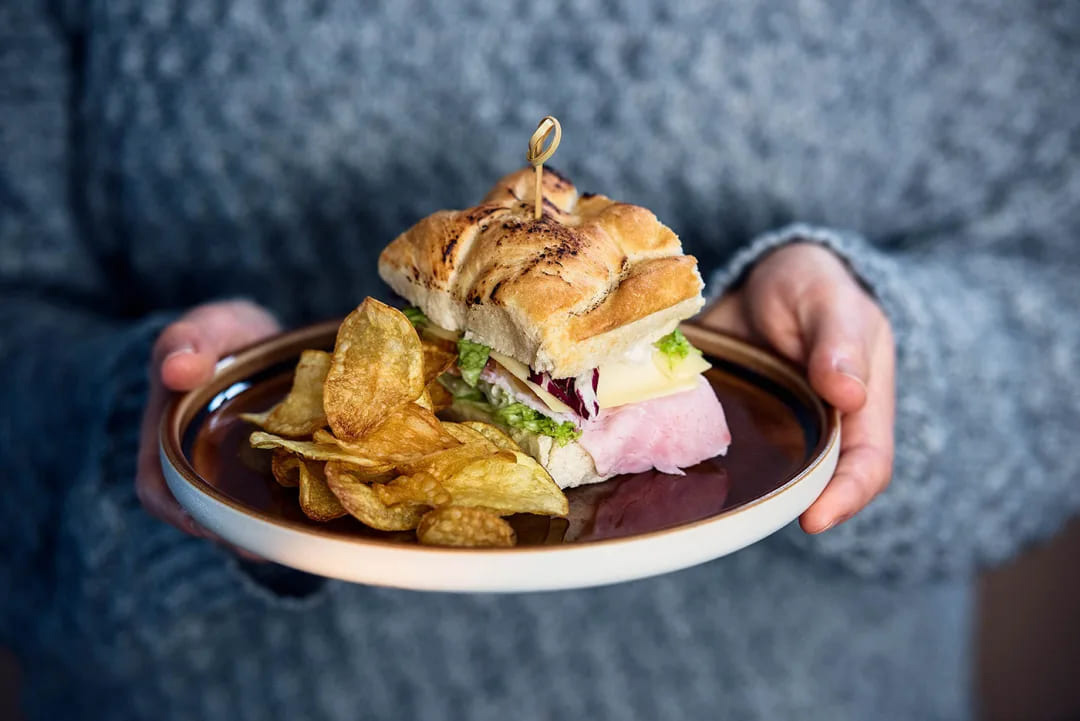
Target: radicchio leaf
(568,390)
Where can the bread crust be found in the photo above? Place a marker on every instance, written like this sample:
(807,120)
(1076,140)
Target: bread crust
(563,294)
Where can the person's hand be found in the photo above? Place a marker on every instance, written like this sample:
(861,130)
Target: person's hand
(803,302)
(184,357)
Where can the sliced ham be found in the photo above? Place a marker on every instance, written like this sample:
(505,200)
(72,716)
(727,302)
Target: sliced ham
(667,433)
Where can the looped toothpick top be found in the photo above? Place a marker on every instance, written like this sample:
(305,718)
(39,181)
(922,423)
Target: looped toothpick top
(537,155)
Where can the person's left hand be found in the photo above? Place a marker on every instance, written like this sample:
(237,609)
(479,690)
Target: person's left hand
(804,303)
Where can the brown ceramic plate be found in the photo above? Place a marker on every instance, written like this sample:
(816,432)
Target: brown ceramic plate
(784,450)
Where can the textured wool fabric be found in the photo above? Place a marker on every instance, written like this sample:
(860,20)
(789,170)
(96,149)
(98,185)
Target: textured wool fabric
(158,154)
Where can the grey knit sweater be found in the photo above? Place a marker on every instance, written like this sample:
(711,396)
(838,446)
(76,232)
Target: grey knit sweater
(159,153)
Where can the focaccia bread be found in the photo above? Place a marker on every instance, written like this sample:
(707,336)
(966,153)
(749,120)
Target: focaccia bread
(562,294)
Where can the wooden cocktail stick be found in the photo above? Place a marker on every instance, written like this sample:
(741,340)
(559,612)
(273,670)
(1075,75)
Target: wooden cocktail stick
(537,155)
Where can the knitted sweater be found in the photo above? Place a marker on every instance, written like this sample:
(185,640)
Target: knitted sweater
(154,155)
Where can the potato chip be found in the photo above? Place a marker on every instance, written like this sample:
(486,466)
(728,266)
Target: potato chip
(301,413)
(377,367)
(389,460)
(317,451)
(422,488)
(464,526)
(443,464)
(286,468)
(258,419)
(362,503)
(408,433)
(493,434)
(462,432)
(425,402)
(439,356)
(441,399)
(317,501)
(475,430)
(507,482)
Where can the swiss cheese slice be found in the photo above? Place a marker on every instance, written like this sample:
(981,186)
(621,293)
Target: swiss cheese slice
(624,383)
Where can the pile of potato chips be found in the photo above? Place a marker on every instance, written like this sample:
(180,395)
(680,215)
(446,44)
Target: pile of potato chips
(386,459)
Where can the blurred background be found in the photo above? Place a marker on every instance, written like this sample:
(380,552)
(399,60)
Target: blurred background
(1029,638)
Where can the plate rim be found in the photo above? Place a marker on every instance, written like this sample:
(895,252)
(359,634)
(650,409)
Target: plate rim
(231,369)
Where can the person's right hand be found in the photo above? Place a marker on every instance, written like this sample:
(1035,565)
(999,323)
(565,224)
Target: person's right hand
(184,357)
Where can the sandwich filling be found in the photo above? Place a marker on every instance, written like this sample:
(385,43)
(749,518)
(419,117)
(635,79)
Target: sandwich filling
(652,408)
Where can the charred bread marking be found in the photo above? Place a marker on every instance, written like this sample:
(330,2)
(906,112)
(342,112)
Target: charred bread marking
(588,280)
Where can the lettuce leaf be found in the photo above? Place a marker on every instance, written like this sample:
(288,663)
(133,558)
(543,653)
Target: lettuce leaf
(460,389)
(472,357)
(519,415)
(416,316)
(675,346)
(508,412)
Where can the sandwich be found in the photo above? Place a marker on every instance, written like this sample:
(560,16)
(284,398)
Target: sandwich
(565,327)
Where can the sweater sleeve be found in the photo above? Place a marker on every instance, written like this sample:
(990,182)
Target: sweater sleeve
(69,515)
(73,358)
(59,364)
(988,405)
